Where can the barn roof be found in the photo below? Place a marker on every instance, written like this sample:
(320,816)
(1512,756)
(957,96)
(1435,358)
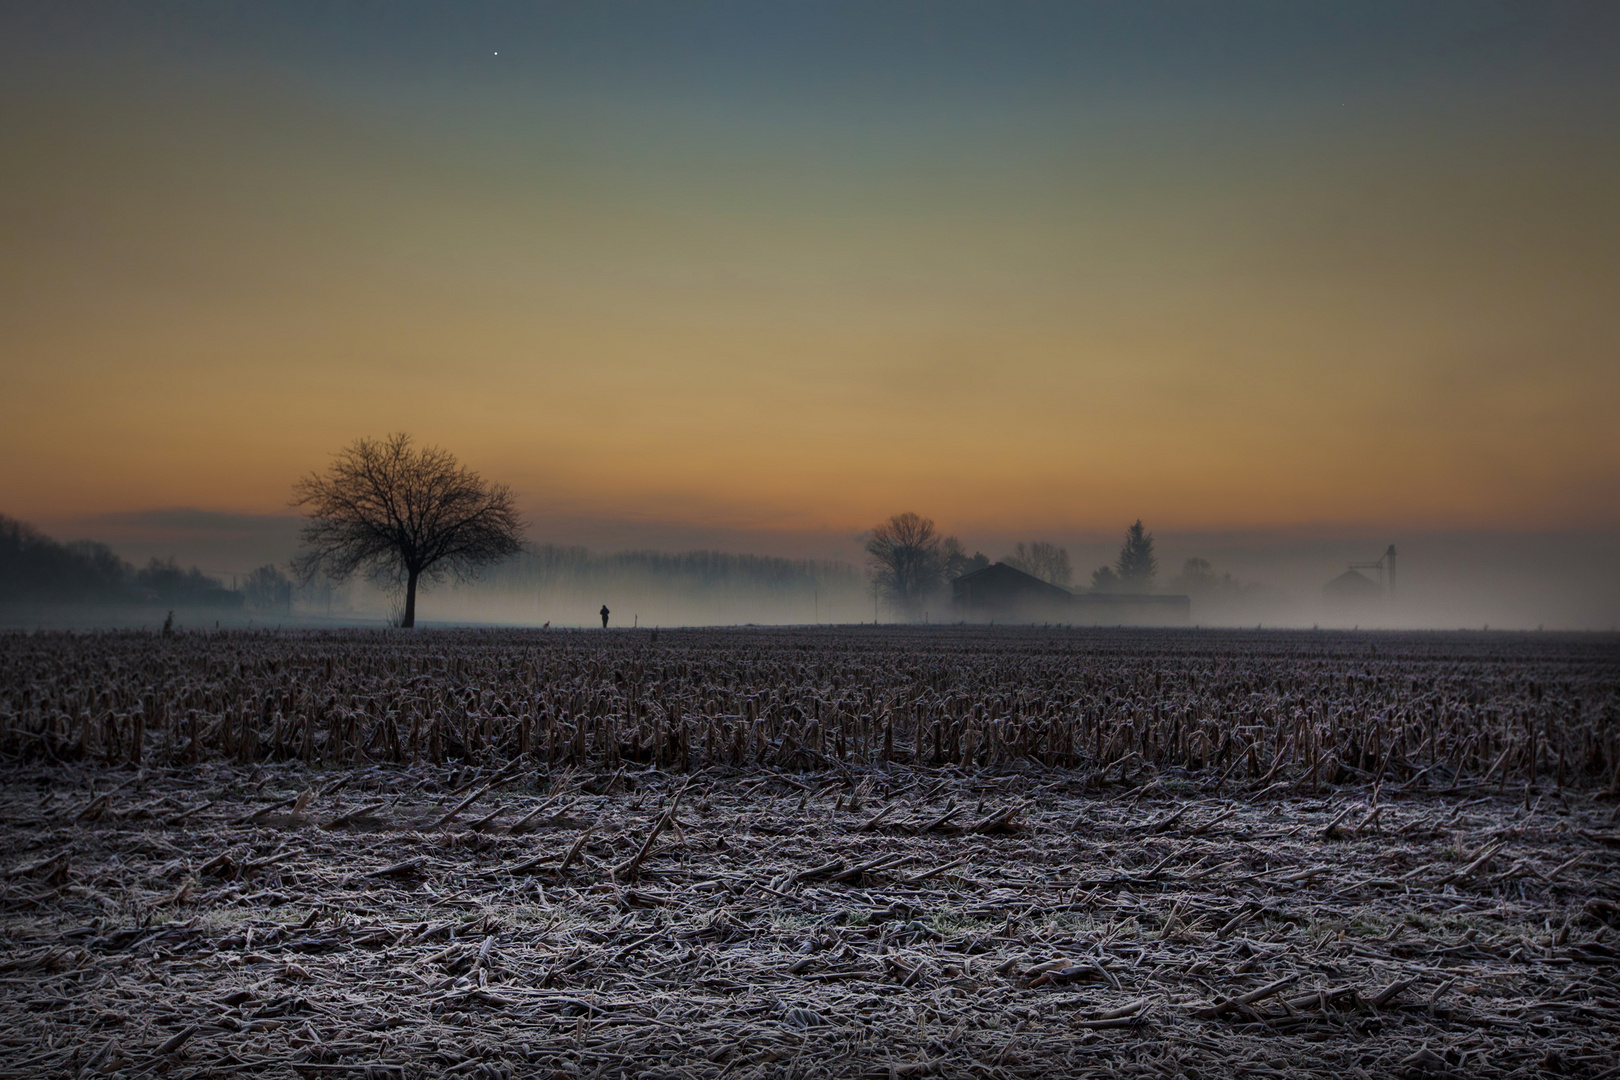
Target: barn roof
(1001,578)
(1353,583)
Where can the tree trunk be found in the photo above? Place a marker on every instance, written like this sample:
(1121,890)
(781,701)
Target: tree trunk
(409,619)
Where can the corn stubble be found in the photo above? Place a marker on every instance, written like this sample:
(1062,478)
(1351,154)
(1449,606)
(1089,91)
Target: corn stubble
(860,851)
(1234,709)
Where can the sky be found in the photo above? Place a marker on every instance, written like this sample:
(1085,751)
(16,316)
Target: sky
(760,275)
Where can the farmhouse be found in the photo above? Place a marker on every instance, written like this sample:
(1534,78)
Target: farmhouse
(1001,593)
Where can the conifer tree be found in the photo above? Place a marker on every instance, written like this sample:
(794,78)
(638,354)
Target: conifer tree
(1137,565)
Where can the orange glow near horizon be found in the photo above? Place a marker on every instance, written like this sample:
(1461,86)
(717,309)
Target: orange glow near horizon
(212,286)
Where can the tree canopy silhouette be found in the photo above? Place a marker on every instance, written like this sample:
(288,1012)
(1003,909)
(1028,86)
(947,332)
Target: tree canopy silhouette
(1046,561)
(906,561)
(955,561)
(403,515)
(1137,564)
(35,568)
(268,588)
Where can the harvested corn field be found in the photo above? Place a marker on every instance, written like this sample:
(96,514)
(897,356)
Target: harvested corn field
(1238,709)
(952,852)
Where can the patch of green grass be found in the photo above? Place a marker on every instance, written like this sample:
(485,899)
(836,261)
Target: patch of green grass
(953,925)
(1368,924)
(1417,920)
(1322,930)
(231,918)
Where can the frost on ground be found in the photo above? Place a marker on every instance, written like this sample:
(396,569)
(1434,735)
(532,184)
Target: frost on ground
(501,915)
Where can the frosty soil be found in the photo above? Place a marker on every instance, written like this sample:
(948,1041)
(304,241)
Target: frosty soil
(922,922)
(498,915)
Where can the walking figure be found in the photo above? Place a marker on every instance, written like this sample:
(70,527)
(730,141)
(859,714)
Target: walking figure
(604,616)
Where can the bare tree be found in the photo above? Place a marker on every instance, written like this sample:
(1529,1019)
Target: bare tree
(1198,578)
(906,560)
(1046,561)
(954,560)
(268,588)
(403,515)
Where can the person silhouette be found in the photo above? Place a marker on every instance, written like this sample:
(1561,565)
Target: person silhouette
(604,616)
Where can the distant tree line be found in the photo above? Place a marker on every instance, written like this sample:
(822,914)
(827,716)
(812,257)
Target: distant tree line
(37,569)
(910,564)
(552,564)
(268,589)
(1199,579)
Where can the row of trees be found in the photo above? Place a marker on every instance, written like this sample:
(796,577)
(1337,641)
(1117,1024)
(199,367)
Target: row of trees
(1198,578)
(910,562)
(546,565)
(268,589)
(404,515)
(37,569)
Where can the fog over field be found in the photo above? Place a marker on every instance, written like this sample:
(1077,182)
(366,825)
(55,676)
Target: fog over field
(672,574)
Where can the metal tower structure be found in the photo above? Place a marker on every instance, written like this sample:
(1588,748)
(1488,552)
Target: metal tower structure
(1385,567)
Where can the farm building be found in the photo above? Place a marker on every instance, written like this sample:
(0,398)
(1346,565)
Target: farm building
(1006,593)
(1353,589)
(1352,586)
(1001,593)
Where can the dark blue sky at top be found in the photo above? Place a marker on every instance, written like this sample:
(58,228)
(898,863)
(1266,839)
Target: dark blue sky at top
(927,50)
